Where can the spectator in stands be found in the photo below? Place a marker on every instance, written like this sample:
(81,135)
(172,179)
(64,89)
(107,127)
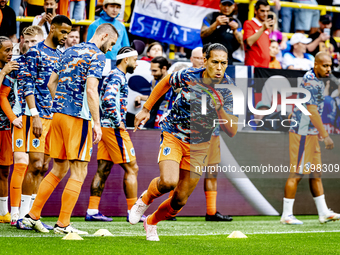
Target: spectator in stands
(44,19)
(8,24)
(77,9)
(276,35)
(322,41)
(256,36)
(222,27)
(155,49)
(34,7)
(109,14)
(286,17)
(336,20)
(159,69)
(196,58)
(73,38)
(273,51)
(297,58)
(306,20)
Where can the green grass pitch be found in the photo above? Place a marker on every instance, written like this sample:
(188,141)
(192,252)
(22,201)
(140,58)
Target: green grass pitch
(188,235)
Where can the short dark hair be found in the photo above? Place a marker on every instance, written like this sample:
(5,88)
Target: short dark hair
(162,61)
(60,19)
(261,2)
(215,46)
(3,39)
(123,50)
(205,47)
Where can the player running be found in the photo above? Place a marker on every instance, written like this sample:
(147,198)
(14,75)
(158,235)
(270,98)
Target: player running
(116,146)
(74,87)
(185,135)
(40,60)
(304,148)
(13,84)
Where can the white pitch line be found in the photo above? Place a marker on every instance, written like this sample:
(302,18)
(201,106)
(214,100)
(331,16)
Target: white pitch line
(183,234)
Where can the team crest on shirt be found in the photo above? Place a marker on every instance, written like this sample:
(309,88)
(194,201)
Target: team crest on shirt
(166,151)
(19,143)
(132,151)
(90,152)
(35,142)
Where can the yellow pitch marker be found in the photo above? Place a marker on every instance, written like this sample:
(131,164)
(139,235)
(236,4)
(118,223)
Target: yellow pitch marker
(72,236)
(237,234)
(103,232)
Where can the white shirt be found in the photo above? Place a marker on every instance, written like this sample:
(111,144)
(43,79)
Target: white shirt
(305,63)
(36,21)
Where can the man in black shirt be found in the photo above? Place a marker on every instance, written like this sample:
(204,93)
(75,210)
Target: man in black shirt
(321,39)
(222,27)
(8,24)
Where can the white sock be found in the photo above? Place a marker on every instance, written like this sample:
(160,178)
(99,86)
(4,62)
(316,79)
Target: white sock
(25,205)
(287,207)
(321,205)
(92,211)
(32,200)
(3,206)
(14,210)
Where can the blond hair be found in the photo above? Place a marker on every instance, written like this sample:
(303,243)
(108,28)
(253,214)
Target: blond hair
(33,31)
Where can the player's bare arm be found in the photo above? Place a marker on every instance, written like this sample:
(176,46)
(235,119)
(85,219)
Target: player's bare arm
(93,102)
(230,127)
(317,122)
(37,125)
(144,115)
(53,83)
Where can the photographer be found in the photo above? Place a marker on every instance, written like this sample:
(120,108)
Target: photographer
(222,27)
(44,20)
(256,36)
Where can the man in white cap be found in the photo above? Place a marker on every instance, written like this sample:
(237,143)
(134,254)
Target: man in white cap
(297,58)
(111,9)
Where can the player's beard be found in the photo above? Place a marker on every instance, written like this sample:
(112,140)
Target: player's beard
(24,48)
(104,48)
(130,69)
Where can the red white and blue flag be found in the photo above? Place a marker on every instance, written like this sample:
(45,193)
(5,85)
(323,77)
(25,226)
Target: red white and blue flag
(176,22)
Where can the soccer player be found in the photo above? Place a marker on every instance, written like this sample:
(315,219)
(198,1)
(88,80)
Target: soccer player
(40,60)
(74,87)
(6,156)
(116,146)
(186,134)
(304,148)
(210,178)
(32,35)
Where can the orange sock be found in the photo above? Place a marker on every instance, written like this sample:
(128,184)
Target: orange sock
(130,202)
(152,192)
(18,175)
(210,197)
(164,212)
(48,184)
(94,202)
(68,201)
(171,193)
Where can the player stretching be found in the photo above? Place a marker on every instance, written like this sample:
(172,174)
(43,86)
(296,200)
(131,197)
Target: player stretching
(40,60)
(304,148)
(115,146)
(74,87)
(13,84)
(6,154)
(185,135)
